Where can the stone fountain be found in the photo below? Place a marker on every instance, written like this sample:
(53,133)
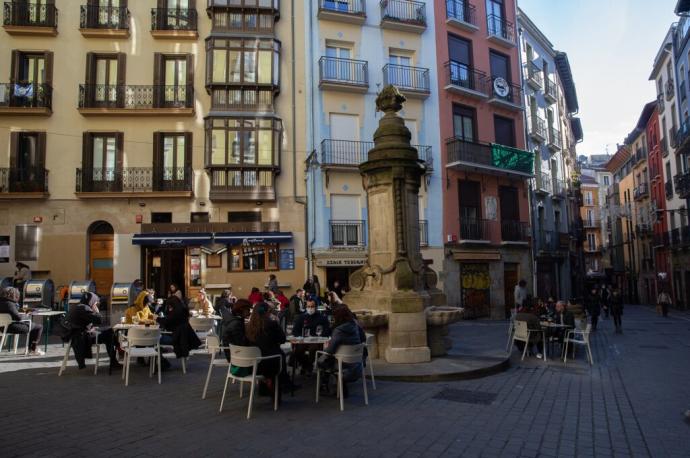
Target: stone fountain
(394,294)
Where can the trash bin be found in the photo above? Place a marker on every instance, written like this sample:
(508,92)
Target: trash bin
(7,282)
(77,290)
(122,295)
(39,294)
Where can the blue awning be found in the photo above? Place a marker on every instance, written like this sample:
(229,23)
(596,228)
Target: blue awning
(252,238)
(172,240)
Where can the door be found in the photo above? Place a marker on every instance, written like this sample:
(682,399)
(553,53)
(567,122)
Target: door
(105,173)
(101,252)
(510,279)
(338,66)
(164,267)
(106,81)
(500,68)
(469,198)
(463,123)
(510,213)
(175,81)
(347,227)
(27,162)
(475,284)
(400,72)
(494,16)
(504,131)
(29,76)
(172,164)
(109,13)
(177,14)
(460,56)
(345,148)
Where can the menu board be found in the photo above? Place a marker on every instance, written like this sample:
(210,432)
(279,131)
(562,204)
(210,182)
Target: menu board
(287,259)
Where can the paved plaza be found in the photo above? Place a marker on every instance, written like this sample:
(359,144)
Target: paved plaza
(631,403)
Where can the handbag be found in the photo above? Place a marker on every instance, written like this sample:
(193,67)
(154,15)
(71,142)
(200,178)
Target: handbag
(63,328)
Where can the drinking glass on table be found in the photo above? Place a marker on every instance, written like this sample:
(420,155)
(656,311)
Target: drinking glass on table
(319,330)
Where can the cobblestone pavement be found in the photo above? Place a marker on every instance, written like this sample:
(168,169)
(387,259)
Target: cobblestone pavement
(630,403)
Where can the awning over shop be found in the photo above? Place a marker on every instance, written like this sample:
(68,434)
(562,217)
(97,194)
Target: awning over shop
(252,238)
(172,240)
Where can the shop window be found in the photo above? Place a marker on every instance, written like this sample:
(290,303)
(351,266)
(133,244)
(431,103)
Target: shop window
(199,217)
(161,217)
(253,258)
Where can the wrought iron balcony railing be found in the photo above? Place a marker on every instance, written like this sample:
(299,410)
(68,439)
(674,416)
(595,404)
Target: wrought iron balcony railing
(500,28)
(682,182)
(461,11)
(555,140)
(559,189)
(134,179)
(489,156)
(346,233)
(25,14)
(592,223)
(681,136)
(550,90)
(552,241)
(23,179)
(641,190)
(407,78)
(668,188)
(461,76)
(343,71)
(173,19)
(247,183)
(475,229)
(26,95)
(505,92)
(514,231)
(535,77)
(538,127)
(135,97)
(104,17)
(406,11)
(543,182)
(349,153)
(423,233)
(343,6)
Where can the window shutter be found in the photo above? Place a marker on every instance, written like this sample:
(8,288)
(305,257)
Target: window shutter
(48,56)
(189,102)
(119,149)
(188,169)
(86,162)
(158,172)
(89,80)
(41,149)
(158,80)
(14,144)
(121,78)
(14,71)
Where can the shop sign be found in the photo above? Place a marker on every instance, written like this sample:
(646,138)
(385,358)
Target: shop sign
(287,259)
(341,262)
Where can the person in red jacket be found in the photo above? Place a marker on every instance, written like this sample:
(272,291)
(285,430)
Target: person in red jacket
(255,296)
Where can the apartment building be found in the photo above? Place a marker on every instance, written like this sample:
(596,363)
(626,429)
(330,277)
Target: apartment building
(169,136)
(604,180)
(618,215)
(355,48)
(590,212)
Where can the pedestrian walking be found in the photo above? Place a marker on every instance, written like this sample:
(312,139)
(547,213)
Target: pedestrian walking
(617,310)
(593,307)
(663,302)
(520,295)
(605,298)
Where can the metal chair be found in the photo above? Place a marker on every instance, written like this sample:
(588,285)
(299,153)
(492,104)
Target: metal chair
(369,343)
(5,322)
(578,337)
(97,344)
(349,354)
(522,333)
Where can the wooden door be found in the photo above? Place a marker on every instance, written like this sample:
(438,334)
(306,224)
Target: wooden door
(510,279)
(101,262)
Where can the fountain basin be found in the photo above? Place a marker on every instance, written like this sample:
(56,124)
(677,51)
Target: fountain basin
(438,318)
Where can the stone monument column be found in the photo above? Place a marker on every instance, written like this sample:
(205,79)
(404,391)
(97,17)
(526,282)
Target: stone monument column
(393,279)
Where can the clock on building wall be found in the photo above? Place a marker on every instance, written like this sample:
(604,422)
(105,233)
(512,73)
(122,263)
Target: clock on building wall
(501,87)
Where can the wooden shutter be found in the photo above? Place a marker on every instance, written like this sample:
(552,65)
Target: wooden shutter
(158,80)
(48,56)
(188,149)
(157,160)
(121,78)
(41,149)
(119,153)
(90,80)
(14,144)
(86,162)
(189,102)
(15,66)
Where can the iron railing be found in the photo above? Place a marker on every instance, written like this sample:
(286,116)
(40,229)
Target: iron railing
(405,11)
(661,106)
(543,180)
(135,97)
(670,89)
(550,241)
(592,223)
(352,153)
(134,179)
(26,95)
(343,6)
(537,126)
(661,239)
(343,71)
(490,155)
(261,4)
(245,99)
(501,28)
(348,233)
(551,90)
(534,74)
(104,17)
(405,77)
(475,229)
(641,190)
(682,183)
(173,19)
(462,11)
(664,146)
(514,231)
(464,76)
(23,179)
(423,233)
(25,14)
(668,188)
(675,237)
(681,135)
(559,189)
(555,140)
(258,183)
(505,91)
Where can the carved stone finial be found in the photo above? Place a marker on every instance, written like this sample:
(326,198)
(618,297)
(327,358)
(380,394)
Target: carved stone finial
(390,100)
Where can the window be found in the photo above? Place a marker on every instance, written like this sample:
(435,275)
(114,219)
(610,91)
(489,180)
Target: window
(244,217)
(500,66)
(27,162)
(399,72)
(606,180)
(177,14)
(250,21)
(460,57)
(161,217)
(469,199)
(336,66)
(463,123)
(247,258)
(105,78)
(243,61)
(172,160)
(592,241)
(31,77)
(504,131)
(108,12)
(199,217)
(344,126)
(588,198)
(243,141)
(102,161)
(173,76)
(27,238)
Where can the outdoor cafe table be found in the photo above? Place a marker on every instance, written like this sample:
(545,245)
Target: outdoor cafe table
(550,325)
(47,315)
(301,341)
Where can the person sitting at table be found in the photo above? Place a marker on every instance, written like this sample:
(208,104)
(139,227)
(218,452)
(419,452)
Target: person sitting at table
(8,304)
(179,334)
(311,321)
(346,331)
(527,314)
(562,317)
(82,319)
(202,304)
(264,332)
(140,309)
(233,332)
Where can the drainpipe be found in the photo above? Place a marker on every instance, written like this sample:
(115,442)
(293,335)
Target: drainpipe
(312,208)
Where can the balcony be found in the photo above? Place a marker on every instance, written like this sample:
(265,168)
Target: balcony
(246,99)
(23,183)
(682,182)
(174,23)
(661,106)
(661,240)
(550,91)
(543,183)
(664,146)
(153,100)
(505,94)
(668,188)
(640,155)
(670,89)
(675,237)
(592,248)
(641,191)
(104,21)
(242,184)
(681,137)
(537,128)
(350,11)
(403,15)
(131,182)
(461,14)
(490,158)
(555,142)
(552,243)
(501,31)
(348,234)
(423,233)
(24,18)
(534,76)
(643,229)
(465,80)
(348,154)
(26,99)
(591,223)
(475,231)
(413,82)
(348,75)
(515,232)
(559,189)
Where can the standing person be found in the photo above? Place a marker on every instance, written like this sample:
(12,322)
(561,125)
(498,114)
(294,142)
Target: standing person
(663,301)
(520,295)
(22,274)
(174,290)
(273,284)
(617,309)
(605,297)
(255,296)
(8,304)
(593,307)
(337,289)
(296,306)
(82,318)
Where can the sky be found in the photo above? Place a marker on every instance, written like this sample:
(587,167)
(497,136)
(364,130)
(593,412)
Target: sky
(611,45)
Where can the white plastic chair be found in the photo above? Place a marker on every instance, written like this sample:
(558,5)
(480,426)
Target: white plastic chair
(349,354)
(578,337)
(202,326)
(5,322)
(142,343)
(250,357)
(213,347)
(369,343)
(171,349)
(522,333)
(97,344)
(511,331)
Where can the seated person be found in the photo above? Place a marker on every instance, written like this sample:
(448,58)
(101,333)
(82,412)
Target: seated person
(140,309)
(527,314)
(233,332)
(202,304)
(309,323)
(346,331)
(8,304)
(255,296)
(179,334)
(564,318)
(264,332)
(82,318)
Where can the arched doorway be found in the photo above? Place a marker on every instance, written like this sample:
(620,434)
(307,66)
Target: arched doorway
(100,256)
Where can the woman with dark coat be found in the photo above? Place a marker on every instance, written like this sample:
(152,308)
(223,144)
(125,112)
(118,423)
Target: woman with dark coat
(265,333)
(346,331)
(175,320)
(616,306)
(233,325)
(593,307)
(83,317)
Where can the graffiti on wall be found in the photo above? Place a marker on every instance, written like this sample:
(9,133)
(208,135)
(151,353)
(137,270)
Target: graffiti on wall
(475,286)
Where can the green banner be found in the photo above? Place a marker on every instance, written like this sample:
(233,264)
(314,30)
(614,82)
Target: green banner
(505,157)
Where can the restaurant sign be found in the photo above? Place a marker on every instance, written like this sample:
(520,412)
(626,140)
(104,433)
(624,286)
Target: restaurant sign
(340,262)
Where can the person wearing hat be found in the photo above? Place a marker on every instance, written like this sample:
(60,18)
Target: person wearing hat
(84,319)
(140,309)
